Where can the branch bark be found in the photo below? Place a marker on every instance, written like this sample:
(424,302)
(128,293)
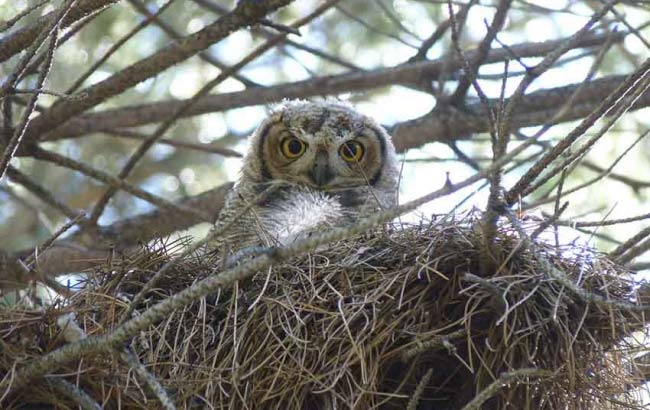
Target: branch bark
(83,249)
(247,12)
(408,73)
(22,38)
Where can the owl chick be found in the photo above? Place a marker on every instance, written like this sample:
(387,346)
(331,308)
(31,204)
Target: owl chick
(326,163)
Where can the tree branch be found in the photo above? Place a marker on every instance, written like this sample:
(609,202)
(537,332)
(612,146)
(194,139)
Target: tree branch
(21,39)
(83,249)
(408,73)
(246,13)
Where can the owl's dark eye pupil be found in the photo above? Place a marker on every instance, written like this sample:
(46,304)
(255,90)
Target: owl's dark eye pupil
(294,147)
(351,150)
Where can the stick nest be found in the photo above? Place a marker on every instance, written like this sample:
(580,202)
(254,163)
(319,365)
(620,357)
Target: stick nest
(396,318)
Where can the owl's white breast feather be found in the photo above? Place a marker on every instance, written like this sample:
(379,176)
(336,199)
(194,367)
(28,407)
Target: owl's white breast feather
(299,213)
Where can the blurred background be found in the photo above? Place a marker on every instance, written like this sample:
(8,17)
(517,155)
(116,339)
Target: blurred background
(351,36)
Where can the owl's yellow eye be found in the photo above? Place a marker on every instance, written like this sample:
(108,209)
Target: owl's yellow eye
(351,151)
(292,147)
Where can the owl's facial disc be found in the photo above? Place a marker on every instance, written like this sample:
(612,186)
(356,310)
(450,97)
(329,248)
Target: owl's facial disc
(330,150)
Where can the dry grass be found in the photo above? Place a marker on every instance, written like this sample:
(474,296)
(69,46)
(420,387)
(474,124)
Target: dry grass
(399,318)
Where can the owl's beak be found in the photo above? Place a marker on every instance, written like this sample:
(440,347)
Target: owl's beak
(321,173)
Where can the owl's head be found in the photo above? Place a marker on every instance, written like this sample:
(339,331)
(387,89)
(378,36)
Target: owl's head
(324,145)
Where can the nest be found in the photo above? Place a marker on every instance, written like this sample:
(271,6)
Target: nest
(396,318)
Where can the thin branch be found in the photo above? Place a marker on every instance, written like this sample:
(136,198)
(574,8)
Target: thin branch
(504,379)
(624,104)
(49,241)
(219,10)
(159,132)
(116,46)
(635,184)
(21,39)
(619,252)
(372,28)
(154,385)
(175,35)
(117,183)
(73,391)
(634,252)
(481,53)
(609,222)
(41,193)
(551,58)
(19,132)
(419,390)
(245,13)
(603,108)
(10,23)
(592,181)
(208,148)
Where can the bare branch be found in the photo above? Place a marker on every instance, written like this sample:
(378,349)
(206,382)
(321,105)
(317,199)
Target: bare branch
(158,133)
(408,73)
(154,385)
(83,249)
(19,132)
(21,39)
(244,14)
(60,160)
(40,192)
(606,106)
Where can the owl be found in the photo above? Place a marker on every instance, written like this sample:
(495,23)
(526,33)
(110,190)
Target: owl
(310,165)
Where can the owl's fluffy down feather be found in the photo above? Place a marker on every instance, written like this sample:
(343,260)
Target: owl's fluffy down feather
(299,213)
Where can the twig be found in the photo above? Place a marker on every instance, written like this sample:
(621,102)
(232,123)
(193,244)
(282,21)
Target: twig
(219,10)
(603,108)
(82,398)
(21,39)
(174,34)
(208,148)
(471,70)
(154,385)
(503,380)
(419,390)
(244,14)
(49,241)
(618,253)
(372,28)
(117,183)
(158,133)
(548,61)
(592,181)
(10,23)
(19,132)
(40,192)
(434,342)
(634,252)
(626,102)
(408,73)
(440,31)
(584,224)
(115,46)
(635,184)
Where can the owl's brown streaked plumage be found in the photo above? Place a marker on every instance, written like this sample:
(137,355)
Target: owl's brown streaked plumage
(332,164)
